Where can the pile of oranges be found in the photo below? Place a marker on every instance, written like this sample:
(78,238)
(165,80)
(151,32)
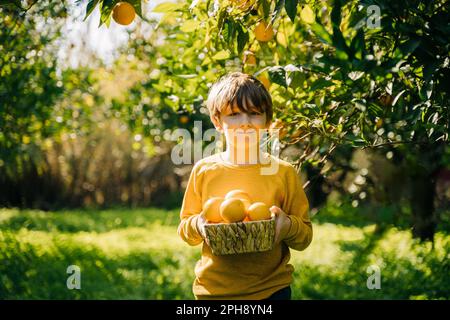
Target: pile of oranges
(236,206)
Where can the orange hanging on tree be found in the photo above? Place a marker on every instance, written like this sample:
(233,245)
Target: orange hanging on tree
(249,58)
(264,81)
(124,13)
(263,32)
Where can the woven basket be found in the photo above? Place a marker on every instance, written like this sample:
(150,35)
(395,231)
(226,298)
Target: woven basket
(240,237)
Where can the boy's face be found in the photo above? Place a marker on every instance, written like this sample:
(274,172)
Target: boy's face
(240,127)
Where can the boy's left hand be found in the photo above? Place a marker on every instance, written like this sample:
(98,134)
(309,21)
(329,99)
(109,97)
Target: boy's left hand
(282,223)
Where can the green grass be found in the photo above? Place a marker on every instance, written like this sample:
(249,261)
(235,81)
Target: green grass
(137,254)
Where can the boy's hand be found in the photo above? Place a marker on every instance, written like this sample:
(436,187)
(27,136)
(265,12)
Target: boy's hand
(282,224)
(201,221)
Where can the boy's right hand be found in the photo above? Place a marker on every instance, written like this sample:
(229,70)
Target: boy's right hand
(201,221)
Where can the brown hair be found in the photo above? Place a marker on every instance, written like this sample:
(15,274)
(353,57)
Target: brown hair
(241,90)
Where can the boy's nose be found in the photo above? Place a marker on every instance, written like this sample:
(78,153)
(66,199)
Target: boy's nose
(245,119)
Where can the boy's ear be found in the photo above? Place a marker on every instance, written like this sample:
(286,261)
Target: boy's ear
(216,123)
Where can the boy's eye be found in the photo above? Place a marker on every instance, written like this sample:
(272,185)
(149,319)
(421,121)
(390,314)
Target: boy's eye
(253,113)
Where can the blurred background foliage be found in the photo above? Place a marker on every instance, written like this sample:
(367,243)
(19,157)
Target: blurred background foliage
(361,109)
(338,83)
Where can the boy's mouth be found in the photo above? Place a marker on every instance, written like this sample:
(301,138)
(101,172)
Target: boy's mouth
(246,131)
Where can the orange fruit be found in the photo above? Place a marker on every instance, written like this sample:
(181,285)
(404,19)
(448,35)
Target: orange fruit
(386,100)
(249,58)
(211,209)
(259,211)
(246,204)
(123,13)
(232,210)
(184,119)
(264,81)
(379,123)
(241,195)
(263,32)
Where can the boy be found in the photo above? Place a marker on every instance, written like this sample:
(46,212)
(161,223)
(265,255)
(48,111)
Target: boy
(240,107)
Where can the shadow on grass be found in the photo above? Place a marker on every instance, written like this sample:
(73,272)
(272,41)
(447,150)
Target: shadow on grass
(344,214)
(89,221)
(394,215)
(424,277)
(27,273)
(400,279)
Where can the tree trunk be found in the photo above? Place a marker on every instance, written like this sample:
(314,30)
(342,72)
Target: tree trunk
(422,205)
(316,195)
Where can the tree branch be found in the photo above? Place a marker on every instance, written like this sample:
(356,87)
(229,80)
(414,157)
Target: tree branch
(394,143)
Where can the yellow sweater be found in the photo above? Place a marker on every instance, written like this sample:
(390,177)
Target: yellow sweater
(252,275)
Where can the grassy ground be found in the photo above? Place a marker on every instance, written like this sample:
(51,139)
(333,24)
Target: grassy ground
(136,254)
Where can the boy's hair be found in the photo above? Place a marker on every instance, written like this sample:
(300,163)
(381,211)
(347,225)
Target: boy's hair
(241,90)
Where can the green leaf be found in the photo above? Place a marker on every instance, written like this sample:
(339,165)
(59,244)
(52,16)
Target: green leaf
(430,69)
(291,8)
(338,38)
(374,110)
(106,8)
(265,8)
(221,55)
(295,77)
(187,76)
(397,97)
(90,7)
(342,55)
(409,46)
(229,31)
(355,75)
(426,90)
(242,39)
(278,75)
(137,4)
(308,15)
(190,25)
(356,141)
(167,7)
(336,14)
(320,83)
(276,12)
(320,31)
(357,47)
(339,41)
(160,87)
(313,107)
(359,143)
(221,19)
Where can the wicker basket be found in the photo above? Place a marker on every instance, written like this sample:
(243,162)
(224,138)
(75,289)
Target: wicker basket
(240,237)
